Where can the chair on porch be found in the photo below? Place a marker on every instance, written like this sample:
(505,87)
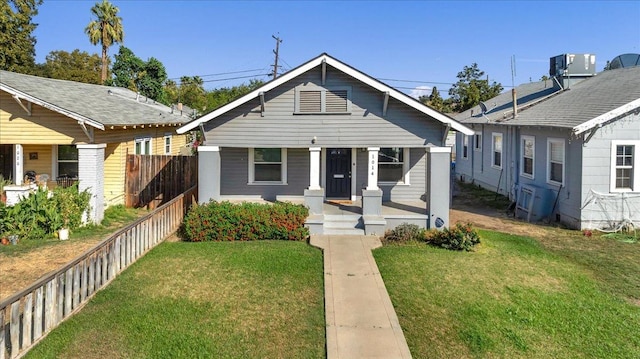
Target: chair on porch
(65,181)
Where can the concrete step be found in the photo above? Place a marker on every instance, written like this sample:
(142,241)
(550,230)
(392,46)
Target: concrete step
(341,217)
(343,231)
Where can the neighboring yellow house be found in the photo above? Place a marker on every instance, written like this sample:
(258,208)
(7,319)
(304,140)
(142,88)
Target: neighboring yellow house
(66,129)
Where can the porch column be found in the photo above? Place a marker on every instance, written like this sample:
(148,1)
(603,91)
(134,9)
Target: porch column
(314,168)
(314,195)
(18,163)
(91,178)
(438,180)
(372,172)
(208,173)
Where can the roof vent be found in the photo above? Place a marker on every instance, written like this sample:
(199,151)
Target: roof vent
(624,60)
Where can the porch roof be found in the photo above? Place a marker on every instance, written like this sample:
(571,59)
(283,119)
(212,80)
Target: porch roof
(325,58)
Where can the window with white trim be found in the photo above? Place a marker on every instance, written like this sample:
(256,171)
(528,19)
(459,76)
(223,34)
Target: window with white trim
(496,150)
(67,161)
(312,99)
(555,161)
(623,167)
(142,146)
(268,165)
(527,151)
(393,165)
(477,142)
(167,144)
(465,146)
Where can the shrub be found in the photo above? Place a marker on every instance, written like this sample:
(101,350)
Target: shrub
(224,221)
(405,233)
(461,237)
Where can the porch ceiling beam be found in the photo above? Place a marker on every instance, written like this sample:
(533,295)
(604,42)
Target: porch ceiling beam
(87,131)
(385,104)
(324,71)
(261,103)
(27,108)
(446,133)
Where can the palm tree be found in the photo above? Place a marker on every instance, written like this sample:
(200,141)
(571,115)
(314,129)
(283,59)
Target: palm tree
(106,30)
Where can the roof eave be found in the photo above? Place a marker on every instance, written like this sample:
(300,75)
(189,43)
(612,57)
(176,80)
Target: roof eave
(347,70)
(606,117)
(52,107)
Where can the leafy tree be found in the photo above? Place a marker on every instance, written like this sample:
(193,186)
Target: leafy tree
(131,72)
(16,43)
(223,96)
(191,92)
(436,102)
(471,88)
(106,29)
(77,66)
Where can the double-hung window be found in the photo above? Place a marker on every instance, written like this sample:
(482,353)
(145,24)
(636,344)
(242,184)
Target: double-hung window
(167,144)
(555,161)
(311,99)
(623,167)
(393,165)
(477,142)
(465,146)
(68,161)
(268,165)
(143,146)
(496,150)
(528,151)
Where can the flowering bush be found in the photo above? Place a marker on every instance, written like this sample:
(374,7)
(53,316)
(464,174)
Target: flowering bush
(405,233)
(224,221)
(459,238)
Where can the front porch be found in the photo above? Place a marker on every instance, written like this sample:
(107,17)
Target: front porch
(346,217)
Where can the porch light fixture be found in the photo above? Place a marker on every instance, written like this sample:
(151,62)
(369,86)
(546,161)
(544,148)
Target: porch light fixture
(314,139)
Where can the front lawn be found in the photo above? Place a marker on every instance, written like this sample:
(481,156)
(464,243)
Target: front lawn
(515,298)
(204,300)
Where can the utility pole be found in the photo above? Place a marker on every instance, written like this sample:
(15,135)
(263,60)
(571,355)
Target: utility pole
(275,65)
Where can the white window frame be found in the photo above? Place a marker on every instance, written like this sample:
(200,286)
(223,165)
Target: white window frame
(405,169)
(477,142)
(560,141)
(167,150)
(465,147)
(323,96)
(523,139)
(283,169)
(493,150)
(142,140)
(56,161)
(635,186)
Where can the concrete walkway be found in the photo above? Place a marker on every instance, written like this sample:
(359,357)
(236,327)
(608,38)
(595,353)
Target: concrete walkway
(361,321)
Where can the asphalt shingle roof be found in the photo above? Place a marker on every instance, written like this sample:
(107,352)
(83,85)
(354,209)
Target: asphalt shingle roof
(110,106)
(580,103)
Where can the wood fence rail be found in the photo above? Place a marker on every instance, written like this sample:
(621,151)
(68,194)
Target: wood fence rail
(28,316)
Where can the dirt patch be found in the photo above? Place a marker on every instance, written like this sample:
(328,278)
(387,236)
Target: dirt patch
(19,271)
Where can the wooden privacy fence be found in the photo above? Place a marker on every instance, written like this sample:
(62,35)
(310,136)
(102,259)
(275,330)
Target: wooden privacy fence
(151,180)
(28,316)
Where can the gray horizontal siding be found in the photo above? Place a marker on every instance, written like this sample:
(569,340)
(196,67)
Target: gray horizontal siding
(364,126)
(235,175)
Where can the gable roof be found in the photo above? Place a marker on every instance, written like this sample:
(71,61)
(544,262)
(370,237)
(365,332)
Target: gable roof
(94,105)
(585,105)
(340,66)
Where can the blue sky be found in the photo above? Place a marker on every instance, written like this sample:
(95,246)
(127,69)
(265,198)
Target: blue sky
(428,42)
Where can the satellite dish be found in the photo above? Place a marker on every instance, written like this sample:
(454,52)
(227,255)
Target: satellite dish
(483,107)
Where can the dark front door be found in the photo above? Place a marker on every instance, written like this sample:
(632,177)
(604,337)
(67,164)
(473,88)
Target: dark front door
(339,173)
(6,161)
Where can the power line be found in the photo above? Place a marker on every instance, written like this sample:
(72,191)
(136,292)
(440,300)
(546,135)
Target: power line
(219,74)
(236,78)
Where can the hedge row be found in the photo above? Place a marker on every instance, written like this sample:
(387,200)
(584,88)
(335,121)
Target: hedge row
(224,221)
(461,237)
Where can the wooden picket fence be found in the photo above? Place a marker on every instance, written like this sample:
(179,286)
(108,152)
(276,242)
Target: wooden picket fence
(28,316)
(151,180)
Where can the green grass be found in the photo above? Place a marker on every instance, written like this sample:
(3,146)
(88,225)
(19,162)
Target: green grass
(114,218)
(515,298)
(204,300)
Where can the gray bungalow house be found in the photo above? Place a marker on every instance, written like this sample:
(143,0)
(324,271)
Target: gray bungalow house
(326,131)
(565,150)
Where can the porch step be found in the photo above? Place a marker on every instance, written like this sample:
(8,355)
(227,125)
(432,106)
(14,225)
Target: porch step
(343,224)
